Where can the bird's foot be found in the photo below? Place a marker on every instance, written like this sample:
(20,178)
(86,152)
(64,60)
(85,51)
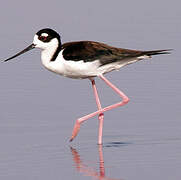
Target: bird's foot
(75,131)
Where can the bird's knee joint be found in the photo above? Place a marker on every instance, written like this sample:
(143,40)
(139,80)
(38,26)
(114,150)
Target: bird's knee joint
(126,100)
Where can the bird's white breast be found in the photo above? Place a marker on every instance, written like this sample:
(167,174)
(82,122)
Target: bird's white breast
(72,69)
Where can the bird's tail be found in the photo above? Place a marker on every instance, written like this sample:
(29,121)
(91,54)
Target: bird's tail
(156,52)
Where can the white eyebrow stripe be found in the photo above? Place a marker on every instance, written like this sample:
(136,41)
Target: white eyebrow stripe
(44,34)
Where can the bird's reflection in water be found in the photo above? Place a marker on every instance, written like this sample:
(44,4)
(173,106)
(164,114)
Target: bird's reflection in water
(86,169)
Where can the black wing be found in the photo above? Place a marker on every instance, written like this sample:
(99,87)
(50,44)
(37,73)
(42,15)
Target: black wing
(89,51)
(85,50)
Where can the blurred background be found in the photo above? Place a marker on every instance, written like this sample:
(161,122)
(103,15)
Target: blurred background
(38,109)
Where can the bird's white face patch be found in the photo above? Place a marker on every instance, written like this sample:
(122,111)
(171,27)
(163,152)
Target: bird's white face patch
(51,46)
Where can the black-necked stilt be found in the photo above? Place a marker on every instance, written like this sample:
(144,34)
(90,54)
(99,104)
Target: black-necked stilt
(85,59)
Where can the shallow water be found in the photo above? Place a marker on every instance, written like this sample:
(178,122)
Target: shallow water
(40,152)
(38,109)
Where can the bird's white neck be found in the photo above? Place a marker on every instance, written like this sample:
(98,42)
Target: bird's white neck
(48,53)
(46,56)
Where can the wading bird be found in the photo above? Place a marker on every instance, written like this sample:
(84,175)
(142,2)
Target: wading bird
(85,59)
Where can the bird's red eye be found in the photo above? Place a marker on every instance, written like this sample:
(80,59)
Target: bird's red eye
(42,38)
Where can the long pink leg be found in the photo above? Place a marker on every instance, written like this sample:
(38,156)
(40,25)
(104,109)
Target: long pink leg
(124,101)
(101,115)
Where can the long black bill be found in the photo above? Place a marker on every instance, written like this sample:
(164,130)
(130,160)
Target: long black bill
(32,46)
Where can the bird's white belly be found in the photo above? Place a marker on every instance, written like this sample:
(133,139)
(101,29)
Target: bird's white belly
(76,69)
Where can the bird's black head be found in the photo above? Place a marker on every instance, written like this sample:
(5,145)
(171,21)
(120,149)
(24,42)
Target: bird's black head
(43,39)
(47,34)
